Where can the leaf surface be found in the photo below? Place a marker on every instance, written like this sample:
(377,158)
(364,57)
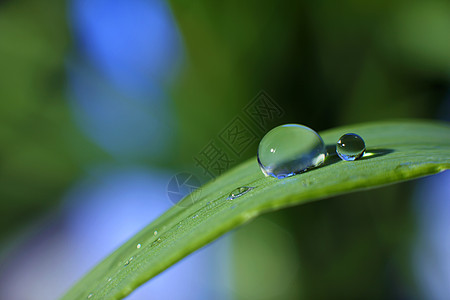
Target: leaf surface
(396,151)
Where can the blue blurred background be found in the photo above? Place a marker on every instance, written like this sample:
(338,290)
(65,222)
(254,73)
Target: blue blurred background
(102,103)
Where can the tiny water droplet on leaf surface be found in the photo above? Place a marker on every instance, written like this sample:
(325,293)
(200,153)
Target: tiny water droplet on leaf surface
(290,149)
(157,242)
(128,261)
(239,192)
(350,147)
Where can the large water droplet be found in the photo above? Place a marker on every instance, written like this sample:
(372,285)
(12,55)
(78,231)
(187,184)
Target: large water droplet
(239,192)
(350,147)
(290,149)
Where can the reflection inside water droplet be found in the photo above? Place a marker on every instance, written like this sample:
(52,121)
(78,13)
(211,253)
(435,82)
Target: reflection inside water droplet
(155,232)
(138,246)
(90,296)
(236,193)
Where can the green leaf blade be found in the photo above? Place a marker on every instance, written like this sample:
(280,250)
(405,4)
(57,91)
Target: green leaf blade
(397,151)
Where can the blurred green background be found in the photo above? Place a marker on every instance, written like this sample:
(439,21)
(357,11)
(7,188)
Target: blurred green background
(326,63)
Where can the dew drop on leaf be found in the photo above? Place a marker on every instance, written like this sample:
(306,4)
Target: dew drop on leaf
(350,147)
(128,261)
(290,149)
(157,242)
(239,192)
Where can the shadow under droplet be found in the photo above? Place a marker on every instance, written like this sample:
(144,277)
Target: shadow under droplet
(372,153)
(331,149)
(333,158)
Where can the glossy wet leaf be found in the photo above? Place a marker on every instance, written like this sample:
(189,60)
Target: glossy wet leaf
(395,151)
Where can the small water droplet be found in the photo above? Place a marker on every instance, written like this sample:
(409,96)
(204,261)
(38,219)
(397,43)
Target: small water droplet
(290,149)
(109,279)
(236,193)
(179,225)
(156,242)
(196,216)
(350,147)
(155,232)
(128,261)
(90,296)
(138,246)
